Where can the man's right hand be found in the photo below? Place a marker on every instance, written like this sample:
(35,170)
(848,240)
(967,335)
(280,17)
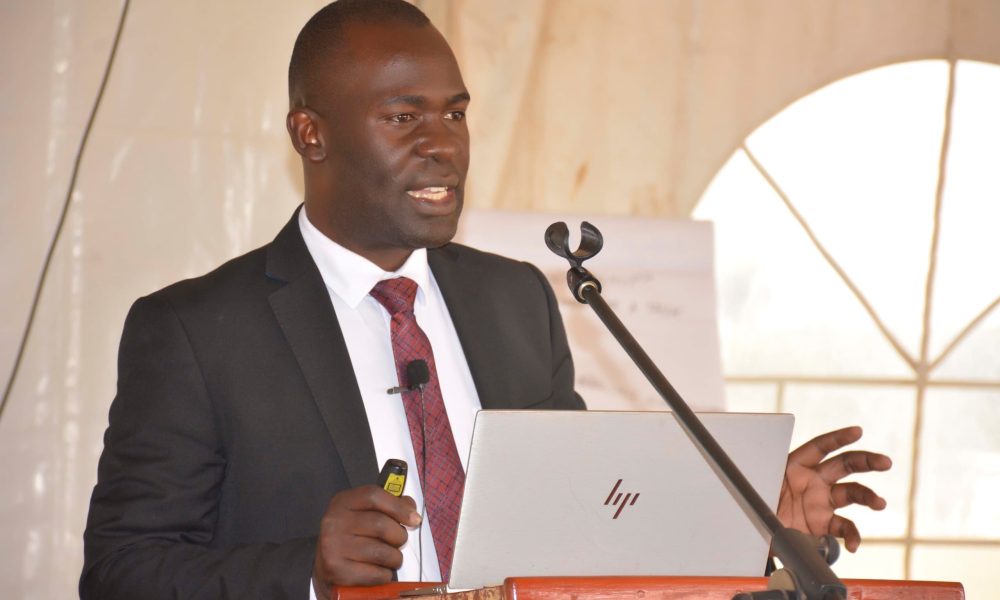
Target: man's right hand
(359,538)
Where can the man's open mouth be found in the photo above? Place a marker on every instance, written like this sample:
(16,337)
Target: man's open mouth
(429,193)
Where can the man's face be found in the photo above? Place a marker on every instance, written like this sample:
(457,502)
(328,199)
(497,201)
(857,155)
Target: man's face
(397,145)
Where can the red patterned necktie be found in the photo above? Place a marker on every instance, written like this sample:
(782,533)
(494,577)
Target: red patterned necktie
(443,477)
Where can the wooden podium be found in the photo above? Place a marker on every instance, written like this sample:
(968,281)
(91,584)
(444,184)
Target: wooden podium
(652,588)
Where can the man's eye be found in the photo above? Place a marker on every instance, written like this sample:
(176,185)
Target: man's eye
(402,118)
(456,115)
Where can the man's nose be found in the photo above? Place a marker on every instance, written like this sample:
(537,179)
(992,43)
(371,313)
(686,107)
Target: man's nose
(441,142)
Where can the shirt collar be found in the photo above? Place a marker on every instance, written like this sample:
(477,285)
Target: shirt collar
(351,276)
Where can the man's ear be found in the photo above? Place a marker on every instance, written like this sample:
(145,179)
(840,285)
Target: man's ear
(303,128)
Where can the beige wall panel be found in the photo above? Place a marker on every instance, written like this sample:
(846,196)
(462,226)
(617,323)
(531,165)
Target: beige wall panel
(576,107)
(752,59)
(976,29)
(188,165)
(52,55)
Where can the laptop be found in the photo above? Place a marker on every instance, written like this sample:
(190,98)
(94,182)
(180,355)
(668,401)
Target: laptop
(588,493)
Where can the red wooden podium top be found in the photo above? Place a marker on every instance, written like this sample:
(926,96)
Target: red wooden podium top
(653,588)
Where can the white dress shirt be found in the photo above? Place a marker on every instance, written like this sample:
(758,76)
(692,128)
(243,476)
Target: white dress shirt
(365,325)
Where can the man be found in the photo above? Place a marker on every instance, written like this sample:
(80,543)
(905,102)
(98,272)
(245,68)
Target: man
(251,414)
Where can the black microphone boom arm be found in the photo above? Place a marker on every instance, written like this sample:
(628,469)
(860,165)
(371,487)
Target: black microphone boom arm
(805,574)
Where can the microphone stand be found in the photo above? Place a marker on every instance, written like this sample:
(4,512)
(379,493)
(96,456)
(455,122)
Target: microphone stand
(806,575)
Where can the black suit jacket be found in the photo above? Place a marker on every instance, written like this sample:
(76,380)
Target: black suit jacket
(237,417)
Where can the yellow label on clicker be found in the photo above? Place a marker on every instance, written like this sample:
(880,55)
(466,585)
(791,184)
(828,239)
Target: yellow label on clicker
(394,484)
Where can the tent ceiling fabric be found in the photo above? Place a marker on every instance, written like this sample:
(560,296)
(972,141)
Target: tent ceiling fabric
(631,107)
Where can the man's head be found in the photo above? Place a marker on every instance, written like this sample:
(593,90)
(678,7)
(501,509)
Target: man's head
(378,115)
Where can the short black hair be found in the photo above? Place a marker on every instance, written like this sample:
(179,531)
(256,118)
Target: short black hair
(324,31)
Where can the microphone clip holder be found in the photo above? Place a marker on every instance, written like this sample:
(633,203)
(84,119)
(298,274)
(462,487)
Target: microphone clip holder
(806,575)
(591,242)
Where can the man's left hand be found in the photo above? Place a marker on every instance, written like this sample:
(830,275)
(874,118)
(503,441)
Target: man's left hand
(811,490)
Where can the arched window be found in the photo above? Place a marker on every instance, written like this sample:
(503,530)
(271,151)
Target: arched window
(858,262)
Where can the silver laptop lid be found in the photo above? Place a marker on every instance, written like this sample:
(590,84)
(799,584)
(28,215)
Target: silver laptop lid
(580,493)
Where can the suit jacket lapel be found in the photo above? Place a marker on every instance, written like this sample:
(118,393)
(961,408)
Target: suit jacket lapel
(306,316)
(475,324)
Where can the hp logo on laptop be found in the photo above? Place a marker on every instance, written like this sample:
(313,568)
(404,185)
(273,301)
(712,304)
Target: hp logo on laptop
(619,499)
